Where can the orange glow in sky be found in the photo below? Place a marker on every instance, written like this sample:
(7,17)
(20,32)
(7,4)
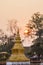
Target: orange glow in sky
(22,10)
(26,31)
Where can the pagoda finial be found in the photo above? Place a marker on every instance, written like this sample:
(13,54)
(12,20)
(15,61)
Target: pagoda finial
(18,50)
(18,31)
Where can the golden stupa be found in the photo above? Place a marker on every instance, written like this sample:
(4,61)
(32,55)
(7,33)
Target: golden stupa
(18,51)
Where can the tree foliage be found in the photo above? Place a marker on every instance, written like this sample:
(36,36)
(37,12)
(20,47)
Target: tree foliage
(37,18)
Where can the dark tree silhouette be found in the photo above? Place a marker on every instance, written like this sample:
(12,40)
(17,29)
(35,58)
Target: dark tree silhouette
(37,18)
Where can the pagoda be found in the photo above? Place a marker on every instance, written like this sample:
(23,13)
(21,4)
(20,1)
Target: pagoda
(18,51)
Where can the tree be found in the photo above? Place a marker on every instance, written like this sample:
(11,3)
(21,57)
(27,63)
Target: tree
(12,26)
(37,18)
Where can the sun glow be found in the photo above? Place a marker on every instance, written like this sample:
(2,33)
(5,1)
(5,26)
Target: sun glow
(26,31)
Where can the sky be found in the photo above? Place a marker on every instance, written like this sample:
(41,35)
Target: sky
(21,10)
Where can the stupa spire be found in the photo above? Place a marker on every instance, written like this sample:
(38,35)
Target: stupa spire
(18,51)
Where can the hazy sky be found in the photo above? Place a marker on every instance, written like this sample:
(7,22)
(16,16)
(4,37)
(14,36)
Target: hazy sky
(22,10)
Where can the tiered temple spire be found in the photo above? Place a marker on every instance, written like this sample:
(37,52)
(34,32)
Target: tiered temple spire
(18,51)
